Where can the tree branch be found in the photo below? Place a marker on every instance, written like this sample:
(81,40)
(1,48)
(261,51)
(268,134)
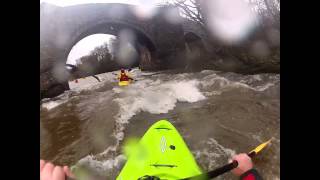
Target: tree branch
(196,16)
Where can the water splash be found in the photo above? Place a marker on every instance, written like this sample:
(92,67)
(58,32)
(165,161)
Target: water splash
(230,21)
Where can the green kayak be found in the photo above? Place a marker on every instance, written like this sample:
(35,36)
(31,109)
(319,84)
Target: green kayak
(161,153)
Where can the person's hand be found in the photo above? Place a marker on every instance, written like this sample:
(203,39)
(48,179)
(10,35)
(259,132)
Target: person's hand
(48,171)
(244,164)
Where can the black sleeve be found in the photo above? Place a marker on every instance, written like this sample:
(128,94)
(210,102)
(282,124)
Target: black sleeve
(252,174)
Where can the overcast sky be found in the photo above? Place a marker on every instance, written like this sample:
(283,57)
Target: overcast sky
(84,46)
(75,2)
(87,44)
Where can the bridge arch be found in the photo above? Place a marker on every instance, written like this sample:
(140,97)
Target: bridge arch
(158,40)
(113,28)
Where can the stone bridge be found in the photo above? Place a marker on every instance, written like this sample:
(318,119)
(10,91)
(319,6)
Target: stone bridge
(160,42)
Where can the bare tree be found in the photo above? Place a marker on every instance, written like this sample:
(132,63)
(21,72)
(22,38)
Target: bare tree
(268,10)
(190,9)
(193,9)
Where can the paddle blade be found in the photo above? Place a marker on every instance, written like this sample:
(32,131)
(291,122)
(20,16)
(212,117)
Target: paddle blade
(260,147)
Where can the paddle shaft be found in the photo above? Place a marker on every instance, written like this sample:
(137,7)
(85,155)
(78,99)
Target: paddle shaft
(219,171)
(210,174)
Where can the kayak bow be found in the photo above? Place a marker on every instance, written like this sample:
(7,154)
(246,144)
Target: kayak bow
(160,153)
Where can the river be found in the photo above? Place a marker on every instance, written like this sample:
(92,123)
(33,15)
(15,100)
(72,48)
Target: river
(217,113)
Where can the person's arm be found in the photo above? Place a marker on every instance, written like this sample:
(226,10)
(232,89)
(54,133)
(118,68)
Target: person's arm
(245,168)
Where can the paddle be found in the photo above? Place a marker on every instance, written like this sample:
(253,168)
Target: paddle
(96,78)
(228,167)
(221,170)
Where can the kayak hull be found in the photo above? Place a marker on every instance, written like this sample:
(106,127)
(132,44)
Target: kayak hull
(124,83)
(162,153)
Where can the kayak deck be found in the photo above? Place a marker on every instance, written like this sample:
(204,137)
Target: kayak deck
(163,154)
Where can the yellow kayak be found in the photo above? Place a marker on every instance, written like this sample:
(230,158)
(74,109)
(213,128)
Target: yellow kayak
(124,83)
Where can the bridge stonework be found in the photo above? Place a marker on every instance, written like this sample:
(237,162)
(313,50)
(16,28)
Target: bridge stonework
(62,27)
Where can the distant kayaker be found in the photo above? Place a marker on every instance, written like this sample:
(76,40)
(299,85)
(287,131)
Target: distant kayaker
(245,170)
(123,76)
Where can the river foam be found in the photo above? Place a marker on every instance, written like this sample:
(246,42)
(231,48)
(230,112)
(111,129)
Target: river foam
(159,93)
(155,97)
